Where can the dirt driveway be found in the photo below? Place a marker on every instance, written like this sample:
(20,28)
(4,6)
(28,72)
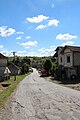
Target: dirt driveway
(38,99)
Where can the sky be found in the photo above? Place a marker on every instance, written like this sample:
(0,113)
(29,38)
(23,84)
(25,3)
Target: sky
(38,27)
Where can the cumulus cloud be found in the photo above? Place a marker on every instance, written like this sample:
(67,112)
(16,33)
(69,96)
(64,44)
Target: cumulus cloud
(18,38)
(41,27)
(33,53)
(29,44)
(10,53)
(47,51)
(21,53)
(53,22)
(28,37)
(20,32)
(66,36)
(5,31)
(6,52)
(37,19)
(68,43)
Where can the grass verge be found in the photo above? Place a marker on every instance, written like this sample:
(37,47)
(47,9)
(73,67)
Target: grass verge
(8,90)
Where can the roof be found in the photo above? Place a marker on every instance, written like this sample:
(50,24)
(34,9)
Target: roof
(2,56)
(56,54)
(58,48)
(72,48)
(13,65)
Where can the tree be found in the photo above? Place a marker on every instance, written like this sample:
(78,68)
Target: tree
(26,60)
(47,65)
(17,61)
(25,68)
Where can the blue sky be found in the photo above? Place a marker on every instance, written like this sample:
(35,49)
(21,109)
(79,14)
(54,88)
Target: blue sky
(37,27)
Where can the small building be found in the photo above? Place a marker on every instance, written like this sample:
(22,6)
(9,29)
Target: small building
(15,70)
(4,70)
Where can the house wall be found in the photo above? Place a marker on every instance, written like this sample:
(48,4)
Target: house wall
(59,59)
(68,64)
(76,59)
(64,62)
(68,52)
(2,69)
(3,62)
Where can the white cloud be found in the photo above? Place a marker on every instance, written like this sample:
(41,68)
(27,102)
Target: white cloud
(21,53)
(10,53)
(29,44)
(43,52)
(1,46)
(18,38)
(66,36)
(68,43)
(5,31)
(37,19)
(6,52)
(28,37)
(41,27)
(32,53)
(53,22)
(20,32)
(47,51)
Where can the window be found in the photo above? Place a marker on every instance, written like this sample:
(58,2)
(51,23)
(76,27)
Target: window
(61,59)
(68,59)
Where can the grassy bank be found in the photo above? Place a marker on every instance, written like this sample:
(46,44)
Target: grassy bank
(8,90)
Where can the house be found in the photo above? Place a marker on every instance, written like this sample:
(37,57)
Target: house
(69,60)
(15,70)
(58,55)
(70,56)
(4,70)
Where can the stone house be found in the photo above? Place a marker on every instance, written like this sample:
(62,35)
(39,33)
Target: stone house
(69,59)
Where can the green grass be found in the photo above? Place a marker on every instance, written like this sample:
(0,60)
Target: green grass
(4,95)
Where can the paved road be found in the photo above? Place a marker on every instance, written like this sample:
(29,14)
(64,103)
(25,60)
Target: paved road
(38,99)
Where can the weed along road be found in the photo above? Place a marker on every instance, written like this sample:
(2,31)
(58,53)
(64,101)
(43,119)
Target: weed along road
(38,99)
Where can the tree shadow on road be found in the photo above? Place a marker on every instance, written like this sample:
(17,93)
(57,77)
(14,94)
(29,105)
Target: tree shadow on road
(65,81)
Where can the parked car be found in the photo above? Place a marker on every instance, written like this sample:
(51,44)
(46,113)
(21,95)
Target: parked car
(43,72)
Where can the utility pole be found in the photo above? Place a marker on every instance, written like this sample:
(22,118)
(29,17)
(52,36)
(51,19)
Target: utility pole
(14,63)
(14,56)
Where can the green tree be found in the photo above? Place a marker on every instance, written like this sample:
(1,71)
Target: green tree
(25,68)
(47,65)
(17,61)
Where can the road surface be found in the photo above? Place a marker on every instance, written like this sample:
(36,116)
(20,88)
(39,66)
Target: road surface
(38,99)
